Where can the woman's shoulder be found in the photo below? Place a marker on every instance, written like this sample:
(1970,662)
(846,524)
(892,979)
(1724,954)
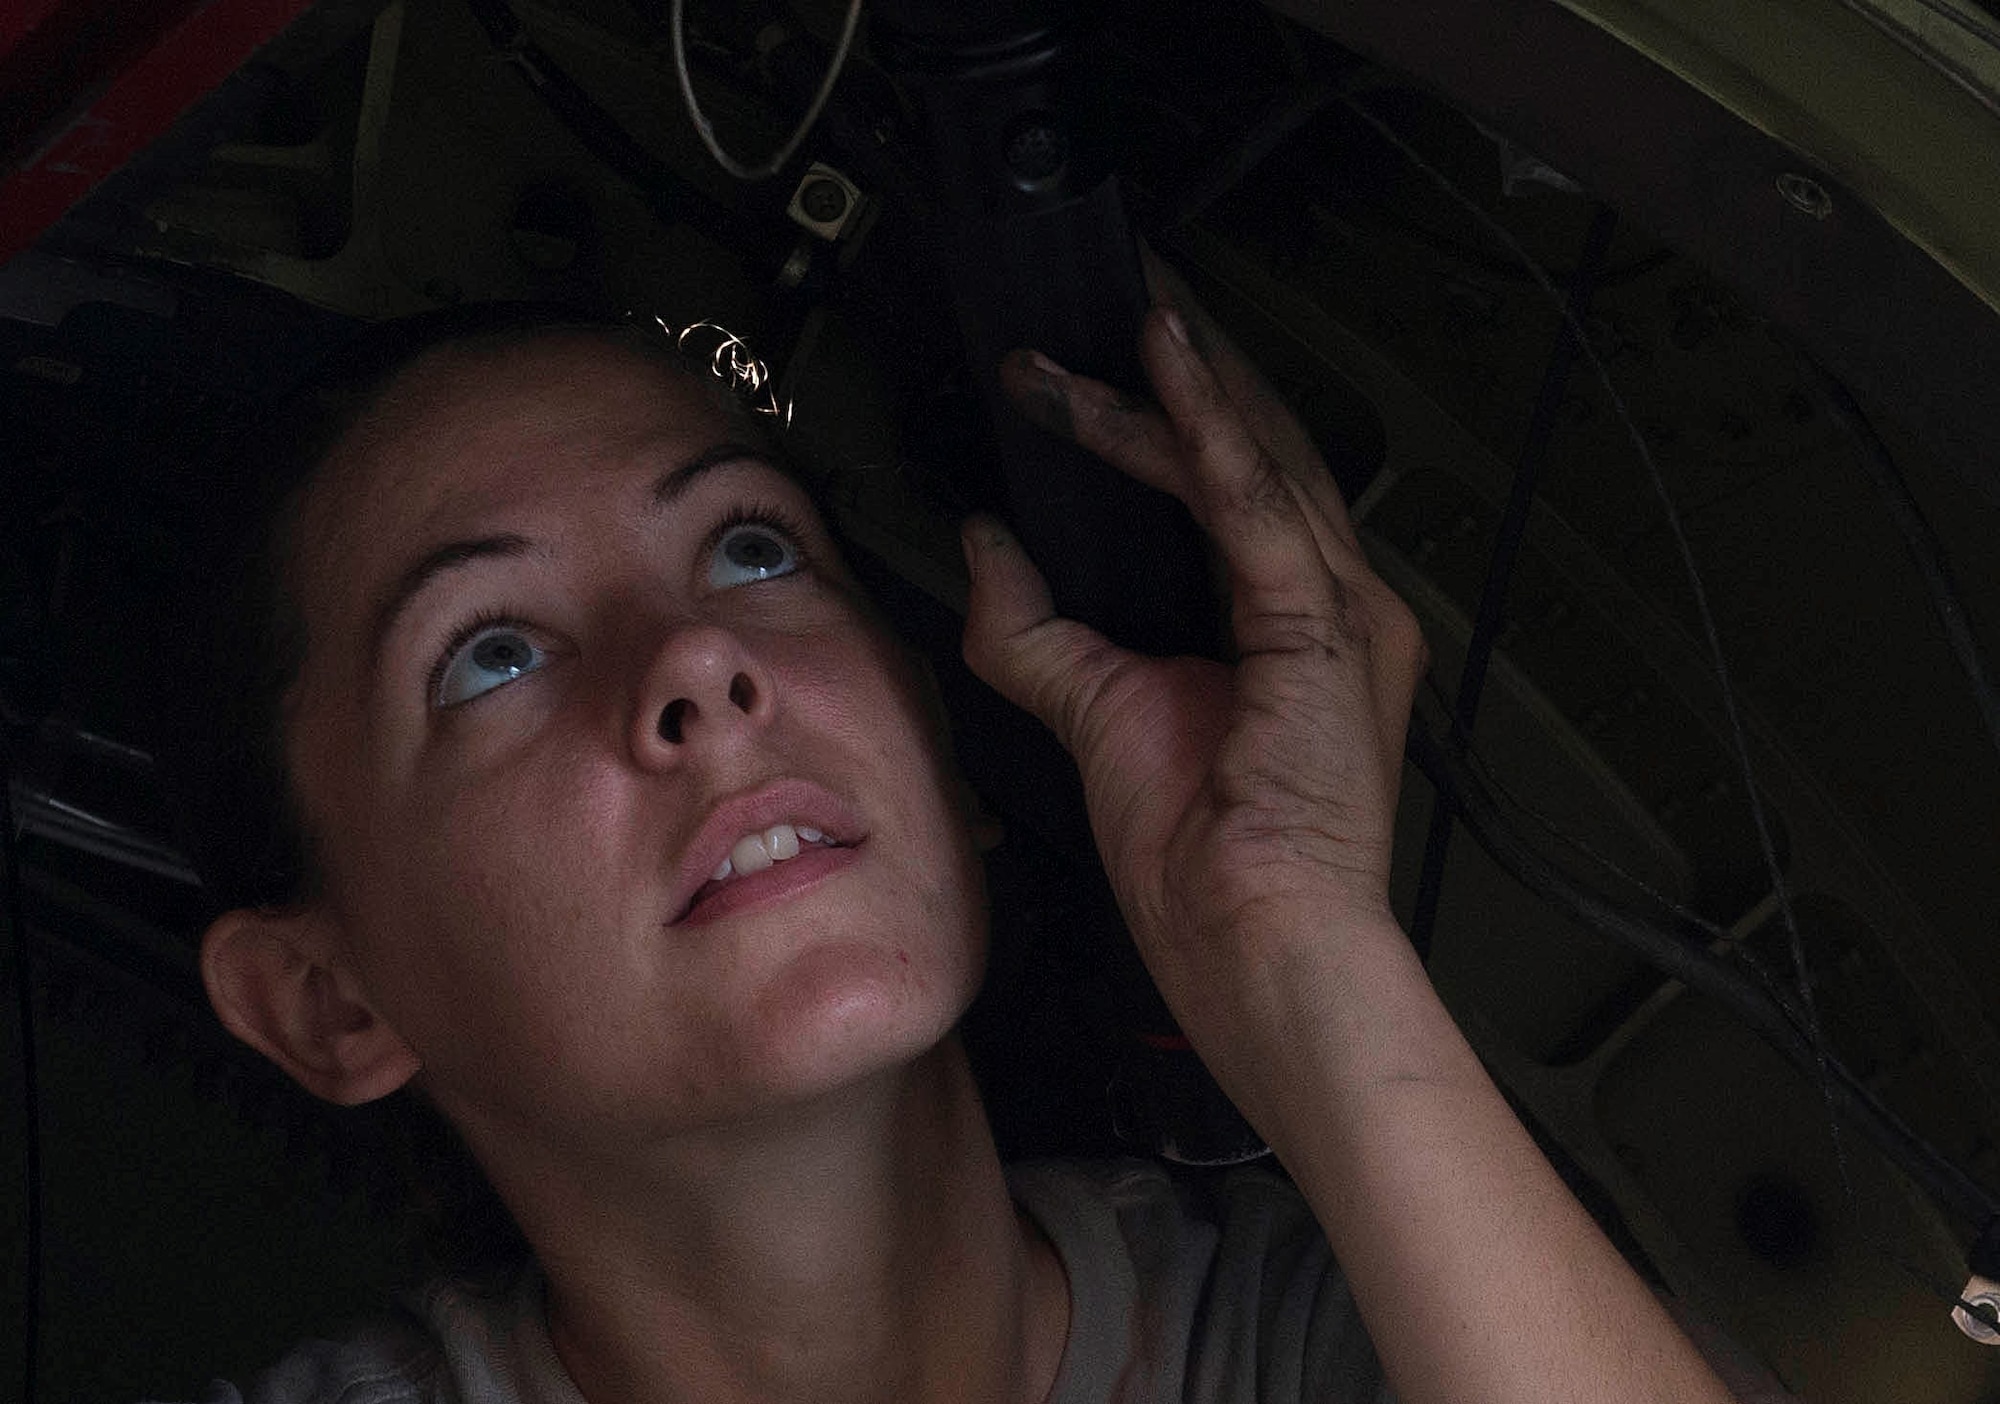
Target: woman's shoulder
(1194,1283)
(1147,1200)
(451,1342)
(391,1359)
(1166,1218)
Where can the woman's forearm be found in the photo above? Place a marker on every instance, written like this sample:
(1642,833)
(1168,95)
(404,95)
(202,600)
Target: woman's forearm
(1479,1275)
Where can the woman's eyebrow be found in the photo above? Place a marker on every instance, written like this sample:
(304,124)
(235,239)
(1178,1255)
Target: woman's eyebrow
(418,575)
(675,482)
(454,555)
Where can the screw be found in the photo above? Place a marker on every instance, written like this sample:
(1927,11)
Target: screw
(1036,151)
(1805,194)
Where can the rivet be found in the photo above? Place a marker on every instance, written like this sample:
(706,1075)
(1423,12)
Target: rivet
(1805,194)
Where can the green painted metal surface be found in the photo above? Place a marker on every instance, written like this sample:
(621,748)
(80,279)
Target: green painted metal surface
(1897,99)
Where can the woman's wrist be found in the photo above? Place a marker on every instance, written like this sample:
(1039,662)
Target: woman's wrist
(1315,1012)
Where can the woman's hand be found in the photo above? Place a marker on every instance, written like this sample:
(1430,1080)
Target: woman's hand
(1244,810)
(1244,814)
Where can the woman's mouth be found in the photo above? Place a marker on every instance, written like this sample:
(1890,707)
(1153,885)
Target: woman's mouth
(766,865)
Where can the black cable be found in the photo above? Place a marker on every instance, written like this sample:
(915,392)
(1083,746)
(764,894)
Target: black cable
(1291,107)
(1928,555)
(1460,790)
(1783,1026)
(1495,266)
(672,199)
(1711,634)
(31,1109)
(1506,550)
(1296,104)
(1506,805)
(1794,1032)
(1925,548)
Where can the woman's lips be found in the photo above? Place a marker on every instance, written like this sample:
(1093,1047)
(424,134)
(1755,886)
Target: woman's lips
(793,802)
(775,884)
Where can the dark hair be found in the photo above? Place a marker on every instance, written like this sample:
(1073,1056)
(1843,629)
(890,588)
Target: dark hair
(240,819)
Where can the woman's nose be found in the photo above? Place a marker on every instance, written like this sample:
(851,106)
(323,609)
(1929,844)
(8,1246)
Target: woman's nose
(703,688)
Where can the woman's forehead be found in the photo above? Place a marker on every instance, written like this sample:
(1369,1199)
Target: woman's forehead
(468,429)
(580,387)
(471,419)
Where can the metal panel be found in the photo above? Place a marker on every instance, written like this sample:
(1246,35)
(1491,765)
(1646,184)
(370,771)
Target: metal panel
(106,87)
(1699,147)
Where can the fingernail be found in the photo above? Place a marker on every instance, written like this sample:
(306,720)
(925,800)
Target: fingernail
(1177,328)
(982,533)
(1041,391)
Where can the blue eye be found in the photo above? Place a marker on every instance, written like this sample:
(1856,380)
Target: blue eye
(751,551)
(491,658)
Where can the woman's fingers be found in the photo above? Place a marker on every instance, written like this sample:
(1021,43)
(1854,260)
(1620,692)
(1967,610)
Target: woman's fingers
(1163,450)
(1129,434)
(1225,447)
(1050,667)
(1362,609)
(1270,421)
(1294,578)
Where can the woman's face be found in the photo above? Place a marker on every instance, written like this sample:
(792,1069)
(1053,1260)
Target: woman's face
(569,650)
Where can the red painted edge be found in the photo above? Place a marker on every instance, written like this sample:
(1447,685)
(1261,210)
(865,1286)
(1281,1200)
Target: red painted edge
(140,102)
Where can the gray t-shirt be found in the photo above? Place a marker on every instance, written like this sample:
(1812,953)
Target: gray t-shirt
(1209,1290)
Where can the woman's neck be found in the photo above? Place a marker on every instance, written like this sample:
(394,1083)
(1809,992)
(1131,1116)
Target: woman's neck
(863,1248)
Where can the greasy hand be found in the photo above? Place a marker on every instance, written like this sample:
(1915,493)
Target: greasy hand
(1244,812)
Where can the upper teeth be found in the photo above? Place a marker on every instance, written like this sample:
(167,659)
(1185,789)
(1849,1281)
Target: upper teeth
(757,851)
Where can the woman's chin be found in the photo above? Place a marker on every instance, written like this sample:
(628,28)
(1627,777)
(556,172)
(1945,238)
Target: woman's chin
(841,1013)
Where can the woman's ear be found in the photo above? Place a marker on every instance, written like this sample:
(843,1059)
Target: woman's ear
(277,984)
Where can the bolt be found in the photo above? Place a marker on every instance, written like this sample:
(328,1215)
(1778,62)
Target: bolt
(1805,194)
(1035,149)
(824,201)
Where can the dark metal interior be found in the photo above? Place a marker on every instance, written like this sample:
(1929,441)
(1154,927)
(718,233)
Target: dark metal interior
(378,159)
